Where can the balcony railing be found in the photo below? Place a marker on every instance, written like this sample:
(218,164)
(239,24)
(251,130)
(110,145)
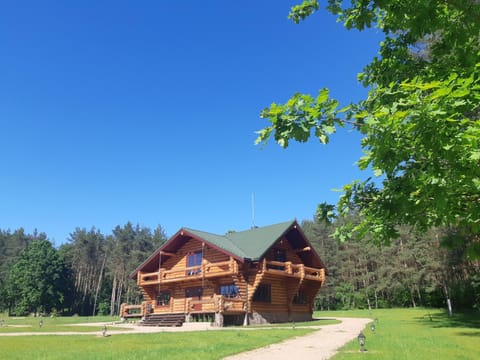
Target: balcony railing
(206,270)
(294,270)
(229,267)
(217,303)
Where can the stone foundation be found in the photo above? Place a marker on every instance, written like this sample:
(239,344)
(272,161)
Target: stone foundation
(274,317)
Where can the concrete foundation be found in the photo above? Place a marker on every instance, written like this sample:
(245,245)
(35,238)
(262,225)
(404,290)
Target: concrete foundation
(273,317)
(218,320)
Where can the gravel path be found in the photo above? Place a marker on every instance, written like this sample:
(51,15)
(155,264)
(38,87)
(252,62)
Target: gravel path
(321,344)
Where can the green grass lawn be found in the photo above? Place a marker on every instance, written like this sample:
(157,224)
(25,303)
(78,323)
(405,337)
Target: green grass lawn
(165,346)
(415,334)
(399,334)
(57,324)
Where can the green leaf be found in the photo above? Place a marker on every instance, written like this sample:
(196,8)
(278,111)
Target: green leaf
(322,96)
(475,155)
(329,129)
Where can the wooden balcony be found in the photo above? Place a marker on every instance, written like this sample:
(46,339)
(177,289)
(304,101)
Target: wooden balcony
(293,270)
(217,303)
(209,270)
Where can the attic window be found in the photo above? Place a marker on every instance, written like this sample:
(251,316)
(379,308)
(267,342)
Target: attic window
(194,263)
(280,255)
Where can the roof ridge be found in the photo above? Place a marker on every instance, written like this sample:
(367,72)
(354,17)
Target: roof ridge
(238,250)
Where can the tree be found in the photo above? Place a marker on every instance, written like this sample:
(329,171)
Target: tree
(39,280)
(420,122)
(85,254)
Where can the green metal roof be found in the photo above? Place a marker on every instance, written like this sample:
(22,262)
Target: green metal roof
(249,244)
(220,241)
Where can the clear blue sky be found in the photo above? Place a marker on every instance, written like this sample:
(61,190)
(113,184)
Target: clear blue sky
(146,111)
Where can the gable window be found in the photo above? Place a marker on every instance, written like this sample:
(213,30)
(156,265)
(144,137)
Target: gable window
(163,298)
(229,291)
(194,262)
(280,255)
(263,293)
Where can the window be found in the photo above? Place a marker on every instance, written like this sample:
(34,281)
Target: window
(194,292)
(229,291)
(300,298)
(194,260)
(163,298)
(280,255)
(263,293)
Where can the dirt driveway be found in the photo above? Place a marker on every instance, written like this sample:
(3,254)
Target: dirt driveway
(321,344)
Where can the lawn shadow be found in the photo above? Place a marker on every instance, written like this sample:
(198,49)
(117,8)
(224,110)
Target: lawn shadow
(469,319)
(471,333)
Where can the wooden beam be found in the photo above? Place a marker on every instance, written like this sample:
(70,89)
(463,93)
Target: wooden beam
(307,248)
(167,253)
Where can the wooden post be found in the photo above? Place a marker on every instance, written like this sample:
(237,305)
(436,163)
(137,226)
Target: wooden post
(288,267)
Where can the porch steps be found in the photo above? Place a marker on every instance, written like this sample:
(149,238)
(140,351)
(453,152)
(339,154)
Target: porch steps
(163,320)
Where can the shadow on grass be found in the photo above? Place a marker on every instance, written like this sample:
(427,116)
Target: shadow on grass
(470,319)
(472,333)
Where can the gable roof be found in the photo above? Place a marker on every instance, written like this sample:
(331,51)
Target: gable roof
(256,242)
(245,245)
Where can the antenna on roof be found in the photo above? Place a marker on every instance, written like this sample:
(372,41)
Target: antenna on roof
(253,211)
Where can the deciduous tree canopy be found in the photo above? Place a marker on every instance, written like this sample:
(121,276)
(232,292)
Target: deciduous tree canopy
(39,280)
(420,122)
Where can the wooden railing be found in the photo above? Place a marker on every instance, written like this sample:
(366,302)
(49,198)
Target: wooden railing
(229,267)
(130,311)
(296,270)
(206,270)
(217,303)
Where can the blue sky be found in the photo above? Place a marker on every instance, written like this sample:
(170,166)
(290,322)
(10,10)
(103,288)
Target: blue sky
(116,111)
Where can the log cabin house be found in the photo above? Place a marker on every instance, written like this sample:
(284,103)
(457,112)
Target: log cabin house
(262,275)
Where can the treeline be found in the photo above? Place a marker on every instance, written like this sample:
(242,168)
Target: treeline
(87,275)
(414,270)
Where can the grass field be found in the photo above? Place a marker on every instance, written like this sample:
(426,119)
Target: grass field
(415,334)
(56,324)
(399,334)
(165,346)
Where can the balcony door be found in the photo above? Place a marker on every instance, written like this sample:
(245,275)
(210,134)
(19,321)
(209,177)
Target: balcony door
(195,293)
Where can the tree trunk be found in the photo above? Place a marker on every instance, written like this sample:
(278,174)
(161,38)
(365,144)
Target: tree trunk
(99,285)
(112,298)
(447,298)
(412,297)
